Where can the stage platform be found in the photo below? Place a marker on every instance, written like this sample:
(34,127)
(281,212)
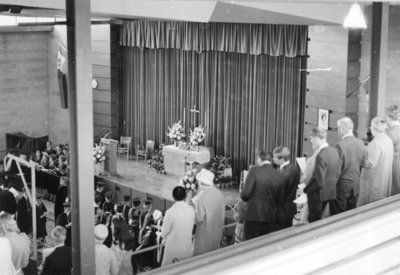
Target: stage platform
(136,179)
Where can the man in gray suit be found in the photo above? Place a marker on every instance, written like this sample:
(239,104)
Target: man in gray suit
(321,188)
(351,152)
(263,191)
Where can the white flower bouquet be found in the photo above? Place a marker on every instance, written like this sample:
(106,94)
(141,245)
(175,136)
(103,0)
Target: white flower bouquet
(98,154)
(197,136)
(176,133)
(189,181)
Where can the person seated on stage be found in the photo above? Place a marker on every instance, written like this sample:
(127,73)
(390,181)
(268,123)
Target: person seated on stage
(49,148)
(108,201)
(99,193)
(61,163)
(37,156)
(134,216)
(44,162)
(126,207)
(52,162)
(64,219)
(58,150)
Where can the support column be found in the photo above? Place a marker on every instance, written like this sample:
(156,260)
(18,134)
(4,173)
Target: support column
(80,103)
(379,44)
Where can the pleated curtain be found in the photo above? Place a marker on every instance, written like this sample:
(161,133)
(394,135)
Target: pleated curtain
(249,95)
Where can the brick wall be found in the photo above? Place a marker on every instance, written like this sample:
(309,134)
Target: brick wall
(24,97)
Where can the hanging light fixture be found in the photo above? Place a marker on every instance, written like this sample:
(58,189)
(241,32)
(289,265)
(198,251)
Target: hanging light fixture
(355,18)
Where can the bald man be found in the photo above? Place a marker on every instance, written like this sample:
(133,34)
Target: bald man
(351,152)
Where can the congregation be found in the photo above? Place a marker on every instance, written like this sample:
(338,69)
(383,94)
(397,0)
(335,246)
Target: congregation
(337,178)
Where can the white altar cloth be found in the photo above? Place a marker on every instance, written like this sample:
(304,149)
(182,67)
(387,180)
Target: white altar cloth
(174,158)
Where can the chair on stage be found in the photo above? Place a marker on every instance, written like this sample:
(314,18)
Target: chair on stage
(146,152)
(124,146)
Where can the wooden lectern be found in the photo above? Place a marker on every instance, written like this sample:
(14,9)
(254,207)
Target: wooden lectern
(110,164)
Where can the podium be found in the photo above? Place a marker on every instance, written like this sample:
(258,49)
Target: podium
(110,163)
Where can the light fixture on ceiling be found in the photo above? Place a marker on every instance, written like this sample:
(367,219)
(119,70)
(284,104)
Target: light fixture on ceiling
(355,18)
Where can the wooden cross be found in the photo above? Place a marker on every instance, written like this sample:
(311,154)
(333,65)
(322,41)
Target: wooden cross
(195,112)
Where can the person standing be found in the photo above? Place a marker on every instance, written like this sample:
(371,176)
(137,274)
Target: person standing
(209,207)
(61,195)
(23,209)
(126,207)
(291,176)
(376,175)
(8,203)
(263,191)
(99,193)
(393,121)
(106,260)
(321,188)
(351,152)
(177,228)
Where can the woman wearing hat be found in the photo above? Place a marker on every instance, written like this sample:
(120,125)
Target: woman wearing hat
(209,205)
(376,175)
(106,260)
(393,120)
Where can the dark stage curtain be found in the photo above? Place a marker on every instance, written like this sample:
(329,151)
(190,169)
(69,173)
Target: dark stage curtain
(252,101)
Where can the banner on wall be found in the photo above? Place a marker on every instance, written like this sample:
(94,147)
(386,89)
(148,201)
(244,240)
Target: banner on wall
(62,75)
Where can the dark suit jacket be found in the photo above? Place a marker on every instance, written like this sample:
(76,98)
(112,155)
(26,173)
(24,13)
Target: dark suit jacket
(351,152)
(24,215)
(8,203)
(291,175)
(326,174)
(58,262)
(61,195)
(263,191)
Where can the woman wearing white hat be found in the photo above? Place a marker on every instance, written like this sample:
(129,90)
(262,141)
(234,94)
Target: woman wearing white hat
(209,205)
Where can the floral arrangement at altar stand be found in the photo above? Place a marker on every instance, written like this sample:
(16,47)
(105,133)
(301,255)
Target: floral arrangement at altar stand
(222,168)
(197,136)
(176,133)
(99,158)
(157,161)
(189,181)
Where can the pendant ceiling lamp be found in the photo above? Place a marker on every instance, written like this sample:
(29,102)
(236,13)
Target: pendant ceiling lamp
(355,18)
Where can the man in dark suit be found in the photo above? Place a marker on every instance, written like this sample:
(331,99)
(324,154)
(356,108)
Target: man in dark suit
(291,175)
(321,187)
(8,203)
(351,152)
(61,195)
(263,191)
(126,207)
(64,219)
(99,193)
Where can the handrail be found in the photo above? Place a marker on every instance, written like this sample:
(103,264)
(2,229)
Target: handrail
(161,245)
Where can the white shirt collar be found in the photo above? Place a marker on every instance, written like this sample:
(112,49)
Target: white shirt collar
(348,135)
(265,162)
(284,164)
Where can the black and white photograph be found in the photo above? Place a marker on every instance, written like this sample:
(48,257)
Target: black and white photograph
(199,137)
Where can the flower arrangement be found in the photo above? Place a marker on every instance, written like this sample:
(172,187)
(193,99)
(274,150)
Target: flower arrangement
(222,168)
(197,136)
(189,181)
(176,133)
(157,161)
(98,154)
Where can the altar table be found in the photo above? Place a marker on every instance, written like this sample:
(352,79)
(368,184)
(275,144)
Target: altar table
(174,158)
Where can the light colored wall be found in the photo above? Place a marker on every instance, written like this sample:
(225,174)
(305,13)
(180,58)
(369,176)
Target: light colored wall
(24,99)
